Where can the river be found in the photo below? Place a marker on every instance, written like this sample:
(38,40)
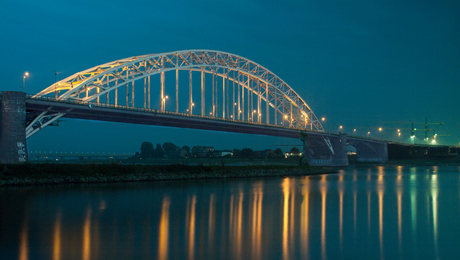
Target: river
(381,212)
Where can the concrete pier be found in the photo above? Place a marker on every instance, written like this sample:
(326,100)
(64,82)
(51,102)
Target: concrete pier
(319,153)
(13,146)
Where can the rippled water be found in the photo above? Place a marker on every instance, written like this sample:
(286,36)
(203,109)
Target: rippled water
(365,213)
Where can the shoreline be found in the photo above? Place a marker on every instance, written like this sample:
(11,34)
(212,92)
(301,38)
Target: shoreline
(58,174)
(411,163)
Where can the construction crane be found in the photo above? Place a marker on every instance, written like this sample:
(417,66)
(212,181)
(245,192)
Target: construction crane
(427,130)
(436,136)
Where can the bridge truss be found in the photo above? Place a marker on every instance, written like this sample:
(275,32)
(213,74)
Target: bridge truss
(241,89)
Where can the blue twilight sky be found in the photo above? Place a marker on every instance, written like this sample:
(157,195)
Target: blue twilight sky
(361,64)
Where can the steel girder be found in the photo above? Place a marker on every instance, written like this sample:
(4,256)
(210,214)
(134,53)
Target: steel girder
(38,122)
(110,76)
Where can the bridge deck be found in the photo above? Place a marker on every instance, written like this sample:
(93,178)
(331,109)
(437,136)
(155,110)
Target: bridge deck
(111,113)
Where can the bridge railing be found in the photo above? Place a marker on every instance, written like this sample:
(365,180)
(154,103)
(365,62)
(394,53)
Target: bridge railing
(104,105)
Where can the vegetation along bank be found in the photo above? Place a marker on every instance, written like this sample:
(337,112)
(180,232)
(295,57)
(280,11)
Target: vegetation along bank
(46,174)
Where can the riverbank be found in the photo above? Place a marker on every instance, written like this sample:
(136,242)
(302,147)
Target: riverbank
(54,174)
(429,161)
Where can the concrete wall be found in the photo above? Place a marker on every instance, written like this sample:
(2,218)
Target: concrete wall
(13,146)
(399,151)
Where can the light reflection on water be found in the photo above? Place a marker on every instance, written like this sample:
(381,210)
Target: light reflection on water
(379,212)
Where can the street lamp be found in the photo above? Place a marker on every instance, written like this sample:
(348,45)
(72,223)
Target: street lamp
(380,130)
(24,81)
(354,131)
(340,128)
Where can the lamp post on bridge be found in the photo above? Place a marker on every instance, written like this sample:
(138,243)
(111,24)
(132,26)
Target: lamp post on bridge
(163,103)
(55,80)
(26,74)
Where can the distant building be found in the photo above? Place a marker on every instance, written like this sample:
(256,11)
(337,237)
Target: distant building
(289,154)
(227,153)
(220,153)
(267,153)
(202,151)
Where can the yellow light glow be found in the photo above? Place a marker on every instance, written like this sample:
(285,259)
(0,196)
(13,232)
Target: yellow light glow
(380,129)
(164,230)
(323,119)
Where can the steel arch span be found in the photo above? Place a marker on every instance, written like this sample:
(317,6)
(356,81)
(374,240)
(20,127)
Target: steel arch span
(260,85)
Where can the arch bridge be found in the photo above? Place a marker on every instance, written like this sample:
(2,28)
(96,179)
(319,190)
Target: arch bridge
(241,90)
(211,90)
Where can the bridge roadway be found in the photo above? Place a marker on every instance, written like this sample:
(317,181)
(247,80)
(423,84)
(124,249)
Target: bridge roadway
(133,115)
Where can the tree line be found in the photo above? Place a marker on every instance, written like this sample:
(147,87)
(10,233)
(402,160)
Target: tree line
(171,150)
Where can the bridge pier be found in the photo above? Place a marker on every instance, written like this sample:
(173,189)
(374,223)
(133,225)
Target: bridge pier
(321,150)
(370,150)
(13,146)
(331,150)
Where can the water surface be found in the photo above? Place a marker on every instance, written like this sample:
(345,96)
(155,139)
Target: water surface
(382,212)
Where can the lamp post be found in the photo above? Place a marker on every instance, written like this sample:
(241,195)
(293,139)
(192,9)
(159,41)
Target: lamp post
(24,81)
(164,103)
(380,130)
(55,80)
(324,120)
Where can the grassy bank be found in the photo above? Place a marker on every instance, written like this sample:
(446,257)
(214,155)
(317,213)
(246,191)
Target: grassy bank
(43,174)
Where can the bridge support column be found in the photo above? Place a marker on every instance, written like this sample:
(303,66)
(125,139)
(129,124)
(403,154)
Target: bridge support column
(326,150)
(13,146)
(371,151)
